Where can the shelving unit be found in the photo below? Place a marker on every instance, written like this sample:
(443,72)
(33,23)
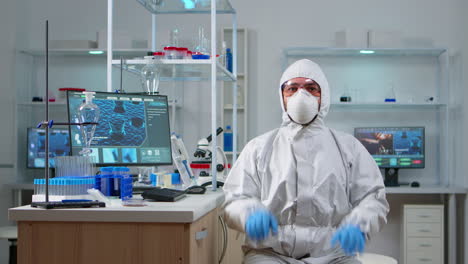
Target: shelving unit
(87,52)
(241,95)
(390,106)
(420,77)
(179,70)
(186,70)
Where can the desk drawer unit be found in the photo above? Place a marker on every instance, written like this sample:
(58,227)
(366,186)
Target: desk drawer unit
(423,234)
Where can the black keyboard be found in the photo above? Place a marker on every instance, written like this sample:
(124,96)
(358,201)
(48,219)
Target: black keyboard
(163,195)
(58,205)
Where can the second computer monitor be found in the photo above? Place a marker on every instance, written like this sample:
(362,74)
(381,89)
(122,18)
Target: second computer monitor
(59,145)
(133,129)
(394,147)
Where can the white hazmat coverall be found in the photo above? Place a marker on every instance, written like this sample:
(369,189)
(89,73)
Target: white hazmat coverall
(312,179)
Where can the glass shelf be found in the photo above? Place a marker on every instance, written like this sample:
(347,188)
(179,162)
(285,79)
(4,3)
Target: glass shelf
(172,103)
(87,52)
(336,52)
(42,104)
(230,107)
(349,106)
(179,70)
(178,7)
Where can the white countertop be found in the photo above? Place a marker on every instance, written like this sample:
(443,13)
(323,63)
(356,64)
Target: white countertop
(186,210)
(426,189)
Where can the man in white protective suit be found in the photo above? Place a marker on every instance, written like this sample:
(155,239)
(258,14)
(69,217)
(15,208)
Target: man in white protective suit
(305,193)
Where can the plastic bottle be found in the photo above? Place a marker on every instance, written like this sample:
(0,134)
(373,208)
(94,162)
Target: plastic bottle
(176,181)
(228,139)
(229,59)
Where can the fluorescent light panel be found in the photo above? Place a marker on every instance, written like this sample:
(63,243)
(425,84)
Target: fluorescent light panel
(96,52)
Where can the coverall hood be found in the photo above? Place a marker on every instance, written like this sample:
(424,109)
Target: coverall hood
(307,69)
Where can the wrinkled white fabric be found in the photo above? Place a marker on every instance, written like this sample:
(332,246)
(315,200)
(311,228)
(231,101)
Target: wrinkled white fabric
(302,107)
(311,178)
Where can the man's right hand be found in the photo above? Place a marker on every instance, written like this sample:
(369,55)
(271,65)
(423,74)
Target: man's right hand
(259,223)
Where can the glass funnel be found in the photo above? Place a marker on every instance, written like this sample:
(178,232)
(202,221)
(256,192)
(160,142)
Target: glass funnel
(150,74)
(88,112)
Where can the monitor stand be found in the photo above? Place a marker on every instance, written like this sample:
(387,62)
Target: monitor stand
(391,177)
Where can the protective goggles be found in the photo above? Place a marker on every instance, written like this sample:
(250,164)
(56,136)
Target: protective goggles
(292,86)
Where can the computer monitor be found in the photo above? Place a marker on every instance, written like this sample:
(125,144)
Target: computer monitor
(133,129)
(59,145)
(393,148)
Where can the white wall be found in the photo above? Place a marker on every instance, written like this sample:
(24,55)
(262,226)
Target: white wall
(273,25)
(7,114)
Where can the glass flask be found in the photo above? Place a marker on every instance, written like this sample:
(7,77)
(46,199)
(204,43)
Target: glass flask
(390,96)
(346,95)
(88,112)
(202,42)
(150,74)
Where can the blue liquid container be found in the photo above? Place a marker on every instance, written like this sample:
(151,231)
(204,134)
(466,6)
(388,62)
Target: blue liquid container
(105,180)
(229,59)
(126,184)
(176,181)
(228,139)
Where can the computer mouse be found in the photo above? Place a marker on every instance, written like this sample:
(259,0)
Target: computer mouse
(414,184)
(196,190)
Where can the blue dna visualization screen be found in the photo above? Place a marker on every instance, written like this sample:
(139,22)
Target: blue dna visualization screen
(59,145)
(133,129)
(394,147)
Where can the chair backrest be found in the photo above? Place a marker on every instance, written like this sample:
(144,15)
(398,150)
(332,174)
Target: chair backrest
(371,258)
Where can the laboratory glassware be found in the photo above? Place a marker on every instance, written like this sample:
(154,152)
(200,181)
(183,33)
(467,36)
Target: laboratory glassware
(390,96)
(150,74)
(346,96)
(201,50)
(174,38)
(88,112)
(170,53)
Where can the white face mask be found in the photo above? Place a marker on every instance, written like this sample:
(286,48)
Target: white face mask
(302,107)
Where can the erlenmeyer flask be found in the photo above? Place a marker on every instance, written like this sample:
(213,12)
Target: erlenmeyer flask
(390,96)
(346,96)
(150,74)
(88,112)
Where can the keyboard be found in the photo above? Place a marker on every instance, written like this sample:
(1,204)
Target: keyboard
(58,205)
(163,195)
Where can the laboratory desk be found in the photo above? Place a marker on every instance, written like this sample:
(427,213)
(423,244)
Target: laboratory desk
(451,194)
(180,232)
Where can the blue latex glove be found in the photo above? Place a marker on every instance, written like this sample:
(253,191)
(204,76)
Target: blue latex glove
(351,239)
(259,223)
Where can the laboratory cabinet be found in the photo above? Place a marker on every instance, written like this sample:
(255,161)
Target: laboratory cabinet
(185,231)
(94,242)
(422,234)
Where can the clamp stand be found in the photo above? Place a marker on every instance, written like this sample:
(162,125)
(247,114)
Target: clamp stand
(48,124)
